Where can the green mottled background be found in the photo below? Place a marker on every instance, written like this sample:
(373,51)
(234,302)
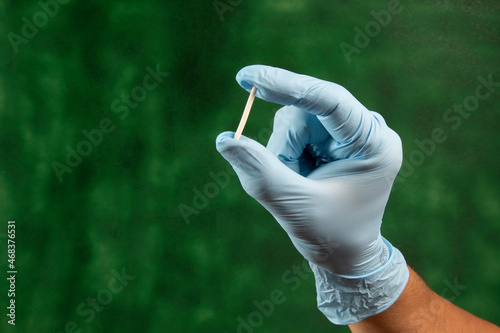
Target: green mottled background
(119,208)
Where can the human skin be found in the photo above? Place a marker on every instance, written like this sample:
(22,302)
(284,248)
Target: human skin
(420,310)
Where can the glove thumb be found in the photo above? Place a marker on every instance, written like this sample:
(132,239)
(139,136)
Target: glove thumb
(262,175)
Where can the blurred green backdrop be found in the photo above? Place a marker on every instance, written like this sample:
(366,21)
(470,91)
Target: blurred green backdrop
(66,67)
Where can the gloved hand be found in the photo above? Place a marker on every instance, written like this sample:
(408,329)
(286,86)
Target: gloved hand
(326,176)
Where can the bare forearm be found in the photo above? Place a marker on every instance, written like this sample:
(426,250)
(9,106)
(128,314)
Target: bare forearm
(419,309)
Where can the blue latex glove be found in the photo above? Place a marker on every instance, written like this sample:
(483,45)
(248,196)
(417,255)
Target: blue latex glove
(326,176)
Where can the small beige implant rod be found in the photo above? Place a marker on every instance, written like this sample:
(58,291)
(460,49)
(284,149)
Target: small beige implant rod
(246,112)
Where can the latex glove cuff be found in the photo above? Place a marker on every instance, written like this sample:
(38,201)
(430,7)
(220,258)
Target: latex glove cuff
(347,300)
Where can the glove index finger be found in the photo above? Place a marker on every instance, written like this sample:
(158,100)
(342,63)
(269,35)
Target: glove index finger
(284,87)
(343,116)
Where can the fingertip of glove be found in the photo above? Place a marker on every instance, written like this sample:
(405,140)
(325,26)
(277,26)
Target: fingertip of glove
(246,76)
(242,78)
(224,136)
(225,142)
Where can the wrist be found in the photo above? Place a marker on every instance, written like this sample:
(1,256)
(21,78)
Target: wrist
(347,299)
